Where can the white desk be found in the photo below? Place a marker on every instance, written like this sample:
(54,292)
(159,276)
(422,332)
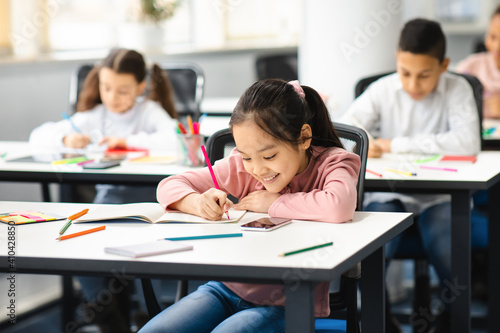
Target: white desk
(125,174)
(251,258)
(482,175)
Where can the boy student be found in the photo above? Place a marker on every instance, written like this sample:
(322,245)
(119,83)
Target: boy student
(420,109)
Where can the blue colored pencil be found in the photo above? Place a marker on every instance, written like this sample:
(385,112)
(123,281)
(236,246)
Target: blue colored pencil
(68,118)
(204,237)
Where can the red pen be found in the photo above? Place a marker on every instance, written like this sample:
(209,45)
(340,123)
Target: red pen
(374,173)
(212,173)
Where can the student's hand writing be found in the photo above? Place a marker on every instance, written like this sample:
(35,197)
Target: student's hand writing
(258,201)
(114,142)
(76,140)
(374,150)
(384,144)
(209,205)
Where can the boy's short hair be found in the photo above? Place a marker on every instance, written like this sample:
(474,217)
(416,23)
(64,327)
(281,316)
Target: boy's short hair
(496,12)
(421,36)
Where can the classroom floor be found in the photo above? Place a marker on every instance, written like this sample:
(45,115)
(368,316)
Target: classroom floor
(48,319)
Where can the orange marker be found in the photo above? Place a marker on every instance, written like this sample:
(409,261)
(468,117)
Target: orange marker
(76,234)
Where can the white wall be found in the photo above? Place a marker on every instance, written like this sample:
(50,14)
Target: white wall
(345,41)
(32,93)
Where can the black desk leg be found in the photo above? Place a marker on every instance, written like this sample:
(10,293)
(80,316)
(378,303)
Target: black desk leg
(299,307)
(45,192)
(373,292)
(494,248)
(69,301)
(457,292)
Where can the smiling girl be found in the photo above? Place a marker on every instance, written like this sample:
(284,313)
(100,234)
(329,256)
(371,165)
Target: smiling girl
(288,162)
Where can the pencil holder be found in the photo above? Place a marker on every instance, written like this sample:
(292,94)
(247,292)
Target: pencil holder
(189,151)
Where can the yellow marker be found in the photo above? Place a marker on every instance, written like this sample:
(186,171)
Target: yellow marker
(401,172)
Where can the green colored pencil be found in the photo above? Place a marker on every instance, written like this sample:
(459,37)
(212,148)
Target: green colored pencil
(306,249)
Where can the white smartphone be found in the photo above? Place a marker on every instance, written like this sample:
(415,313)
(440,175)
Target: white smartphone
(265,224)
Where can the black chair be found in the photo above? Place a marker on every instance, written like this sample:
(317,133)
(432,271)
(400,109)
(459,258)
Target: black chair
(219,145)
(187,79)
(412,248)
(277,66)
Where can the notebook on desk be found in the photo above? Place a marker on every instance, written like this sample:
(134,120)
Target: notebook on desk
(149,212)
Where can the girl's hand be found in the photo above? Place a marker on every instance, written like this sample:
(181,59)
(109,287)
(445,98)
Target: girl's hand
(210,205)
(114,142)
(76,140)
(258,201)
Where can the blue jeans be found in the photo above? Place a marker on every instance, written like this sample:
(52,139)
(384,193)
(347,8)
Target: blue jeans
(215,308)
(434,229)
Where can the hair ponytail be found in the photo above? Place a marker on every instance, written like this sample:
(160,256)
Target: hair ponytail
(89,97)
(280,110)
(161,90)
(322,127)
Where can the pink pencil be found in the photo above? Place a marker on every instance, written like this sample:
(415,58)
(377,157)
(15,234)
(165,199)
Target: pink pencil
(437,168)
(212,172)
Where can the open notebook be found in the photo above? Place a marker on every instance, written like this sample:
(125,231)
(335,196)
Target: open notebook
(149,212)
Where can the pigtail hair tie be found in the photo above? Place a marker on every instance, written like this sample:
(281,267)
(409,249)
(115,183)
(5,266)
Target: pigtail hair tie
(298,89)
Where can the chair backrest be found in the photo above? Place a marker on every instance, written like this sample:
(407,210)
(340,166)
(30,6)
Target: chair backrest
(278,66)
(219,145)
(187,80)
(476,85)
(354,139)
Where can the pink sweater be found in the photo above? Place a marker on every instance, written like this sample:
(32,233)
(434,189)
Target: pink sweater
(325,191)
(484,67)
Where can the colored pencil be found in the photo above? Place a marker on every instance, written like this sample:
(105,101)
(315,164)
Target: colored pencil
(190,124)
(203,237)
(437,168)
(306,249)
(401,172)
(70,220)
(212,172)
(374,173)
(76,234)
(68,118)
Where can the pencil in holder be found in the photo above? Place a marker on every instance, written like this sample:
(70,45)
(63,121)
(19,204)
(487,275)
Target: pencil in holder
(189,150)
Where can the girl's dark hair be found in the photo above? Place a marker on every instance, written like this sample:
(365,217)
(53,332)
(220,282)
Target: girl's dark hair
(124,61)
(277,108)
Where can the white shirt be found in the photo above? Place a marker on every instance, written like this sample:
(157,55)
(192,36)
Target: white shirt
(444,122)
(145,125)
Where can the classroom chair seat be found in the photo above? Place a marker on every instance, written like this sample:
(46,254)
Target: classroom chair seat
(325,325)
